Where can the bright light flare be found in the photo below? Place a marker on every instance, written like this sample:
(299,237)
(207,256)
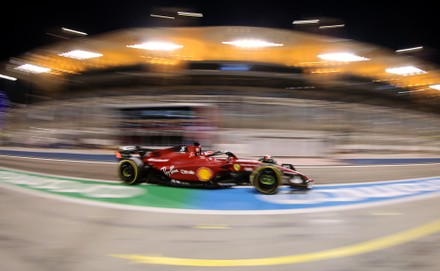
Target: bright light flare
(190,14)
(74,31)
(80,54)
(251,43)
(409,50)
(342,57)
(32,68)
(162,16)
(332,26)
(406,70)
(311,21)
(156,46)
(8,77)
(436,87)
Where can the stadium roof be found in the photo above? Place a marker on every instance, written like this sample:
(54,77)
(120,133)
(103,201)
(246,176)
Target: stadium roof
(169,49)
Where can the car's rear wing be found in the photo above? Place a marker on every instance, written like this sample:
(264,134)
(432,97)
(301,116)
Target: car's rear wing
(129,150)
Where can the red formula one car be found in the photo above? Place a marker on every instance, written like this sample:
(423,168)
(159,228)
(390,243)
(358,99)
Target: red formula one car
(187,165)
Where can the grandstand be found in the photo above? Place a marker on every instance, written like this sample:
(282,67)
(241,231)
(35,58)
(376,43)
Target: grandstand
(284,91)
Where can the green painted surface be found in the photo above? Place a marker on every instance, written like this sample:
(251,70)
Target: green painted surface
(111,192)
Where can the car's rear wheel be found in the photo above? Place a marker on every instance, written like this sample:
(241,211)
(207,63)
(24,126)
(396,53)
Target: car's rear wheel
(266,179)
(130,171)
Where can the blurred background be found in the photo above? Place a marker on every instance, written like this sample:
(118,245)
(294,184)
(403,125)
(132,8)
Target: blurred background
(299,87)
(312,83)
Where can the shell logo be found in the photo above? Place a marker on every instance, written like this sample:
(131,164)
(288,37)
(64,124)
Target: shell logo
(236,167)
(204,174)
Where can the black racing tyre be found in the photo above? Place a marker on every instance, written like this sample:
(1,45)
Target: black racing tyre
(266,179)
(130,170)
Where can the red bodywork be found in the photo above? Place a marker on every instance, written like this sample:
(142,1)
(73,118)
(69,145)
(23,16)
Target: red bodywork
(190,164)
(187,165)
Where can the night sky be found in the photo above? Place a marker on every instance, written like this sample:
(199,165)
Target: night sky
(392,24)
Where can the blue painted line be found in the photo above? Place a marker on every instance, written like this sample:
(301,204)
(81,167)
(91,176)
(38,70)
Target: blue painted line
(62,155)
(320,197)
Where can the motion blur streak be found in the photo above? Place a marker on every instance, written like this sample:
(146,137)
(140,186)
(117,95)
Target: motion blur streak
(364,247)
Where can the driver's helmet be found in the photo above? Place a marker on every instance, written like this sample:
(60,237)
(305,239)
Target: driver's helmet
(267,159)
(198,149)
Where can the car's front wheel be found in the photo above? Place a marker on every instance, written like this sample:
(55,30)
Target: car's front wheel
(130,171)
(266,179)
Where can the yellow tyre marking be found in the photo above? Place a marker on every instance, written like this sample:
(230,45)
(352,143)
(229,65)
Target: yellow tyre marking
(256,173)
(363,247)
(134,167)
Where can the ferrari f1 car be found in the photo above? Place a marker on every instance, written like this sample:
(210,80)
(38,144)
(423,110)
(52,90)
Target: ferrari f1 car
(188,166)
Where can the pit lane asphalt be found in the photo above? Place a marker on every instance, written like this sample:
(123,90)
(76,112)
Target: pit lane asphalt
(47,234)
